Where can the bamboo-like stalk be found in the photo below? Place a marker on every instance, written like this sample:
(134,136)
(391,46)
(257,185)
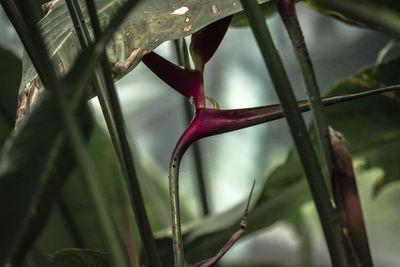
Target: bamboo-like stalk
(287,11)
(31,39)
(104,87)
(302,140)
(79,150)
(197,159)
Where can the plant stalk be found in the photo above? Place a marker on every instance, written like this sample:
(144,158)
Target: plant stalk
(302,140)
(104,87)
(75,137)
(287,11)
(197,159)
(173,181)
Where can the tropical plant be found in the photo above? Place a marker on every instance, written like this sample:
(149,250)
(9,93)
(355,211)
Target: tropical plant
(73,195)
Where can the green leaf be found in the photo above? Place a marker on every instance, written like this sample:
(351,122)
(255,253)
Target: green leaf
(59,233)
(10,76)
(28,158)
(149,25)
(320,6)
(371,129)
(69,257)
(34,163)
(369,124)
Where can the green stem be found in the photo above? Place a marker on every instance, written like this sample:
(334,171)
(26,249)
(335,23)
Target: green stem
(78,147)
(112,111)
(287,10)
(198,163)
(42,63)
(173,180)
(299,132)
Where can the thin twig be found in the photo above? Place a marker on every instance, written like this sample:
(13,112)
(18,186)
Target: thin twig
(36,49)
(235,237)
(104,87)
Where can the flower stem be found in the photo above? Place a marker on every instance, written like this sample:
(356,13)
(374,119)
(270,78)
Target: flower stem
(111,108)
(173,180)
(197,159)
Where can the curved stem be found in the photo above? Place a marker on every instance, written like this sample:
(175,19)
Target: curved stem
(173,181)
(112,111)
(183,60)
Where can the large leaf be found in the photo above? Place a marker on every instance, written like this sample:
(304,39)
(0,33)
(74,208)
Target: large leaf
(73,221)
(150,24)
(28,158)
(35,162)
(10,76)
(370,125)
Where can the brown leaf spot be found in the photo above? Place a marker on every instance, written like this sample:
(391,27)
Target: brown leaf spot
(61,66)
(46,7)
(214,9)
(187,28)
(26,100)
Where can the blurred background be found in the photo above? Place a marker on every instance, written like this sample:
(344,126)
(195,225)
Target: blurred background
(236,78)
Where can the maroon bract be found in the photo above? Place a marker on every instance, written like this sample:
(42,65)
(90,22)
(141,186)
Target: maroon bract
(207,122)
(187,82)
(206,41)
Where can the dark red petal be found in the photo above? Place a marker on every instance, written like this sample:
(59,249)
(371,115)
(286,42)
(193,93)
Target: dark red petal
(187,82)
(206,41)
(208,122)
